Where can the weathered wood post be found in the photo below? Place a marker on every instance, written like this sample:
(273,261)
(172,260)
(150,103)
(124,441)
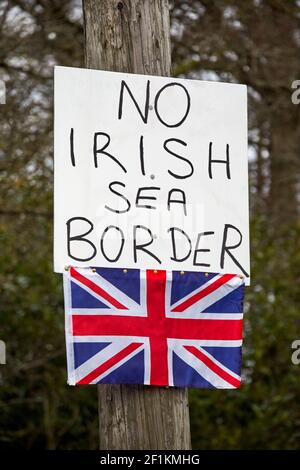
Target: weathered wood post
(134,36)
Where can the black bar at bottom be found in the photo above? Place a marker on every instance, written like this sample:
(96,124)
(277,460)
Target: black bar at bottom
(137,459)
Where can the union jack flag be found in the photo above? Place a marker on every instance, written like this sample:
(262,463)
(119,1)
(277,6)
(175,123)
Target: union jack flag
(153,327)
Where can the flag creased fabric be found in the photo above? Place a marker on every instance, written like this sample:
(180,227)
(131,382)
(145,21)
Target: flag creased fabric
(153,327)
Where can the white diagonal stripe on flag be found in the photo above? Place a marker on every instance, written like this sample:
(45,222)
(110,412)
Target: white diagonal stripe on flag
(196,309)
(201,368)
(133,307)
(102,356)
(119,364)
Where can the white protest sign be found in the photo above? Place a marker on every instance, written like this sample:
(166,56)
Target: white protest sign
(150,172)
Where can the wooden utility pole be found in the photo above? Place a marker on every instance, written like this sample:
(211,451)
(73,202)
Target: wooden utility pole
(134,36)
